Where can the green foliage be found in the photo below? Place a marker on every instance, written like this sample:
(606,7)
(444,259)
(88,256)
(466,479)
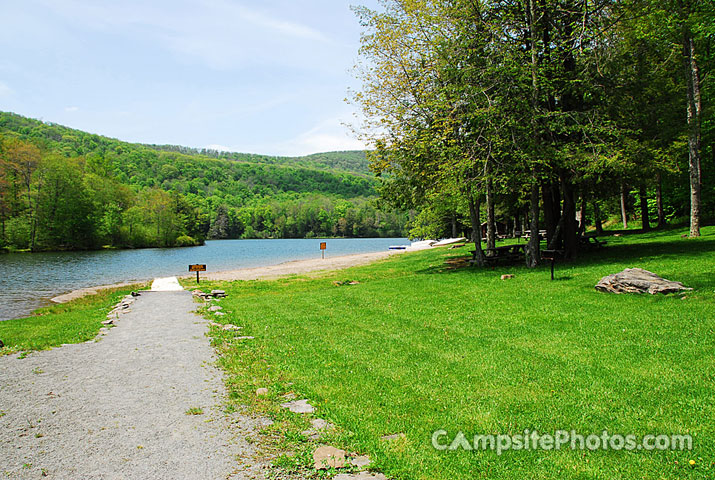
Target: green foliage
(66,189)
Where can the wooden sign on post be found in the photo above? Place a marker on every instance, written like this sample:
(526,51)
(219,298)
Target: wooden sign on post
(197,268)
(323,246)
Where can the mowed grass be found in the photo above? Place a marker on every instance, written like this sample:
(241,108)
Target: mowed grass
(72,322)
(415,347)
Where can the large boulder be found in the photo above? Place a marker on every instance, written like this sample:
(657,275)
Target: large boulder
(637,280)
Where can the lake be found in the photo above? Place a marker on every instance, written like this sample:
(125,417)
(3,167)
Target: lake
(30,280)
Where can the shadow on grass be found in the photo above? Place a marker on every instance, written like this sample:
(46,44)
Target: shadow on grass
(667,248)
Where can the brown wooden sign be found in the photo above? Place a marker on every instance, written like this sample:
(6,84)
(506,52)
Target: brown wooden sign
(323,245)
(197,268)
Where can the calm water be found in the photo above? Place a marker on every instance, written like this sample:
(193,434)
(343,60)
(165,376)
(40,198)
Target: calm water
(28,281)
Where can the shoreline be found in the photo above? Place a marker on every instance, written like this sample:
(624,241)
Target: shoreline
(291,267)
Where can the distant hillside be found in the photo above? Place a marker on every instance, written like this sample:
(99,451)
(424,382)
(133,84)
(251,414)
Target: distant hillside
(352,161)
(212,194)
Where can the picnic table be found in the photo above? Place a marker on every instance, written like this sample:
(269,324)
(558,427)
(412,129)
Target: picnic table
(506,253)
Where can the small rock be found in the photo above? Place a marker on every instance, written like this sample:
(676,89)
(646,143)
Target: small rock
(108,322)
(394,436)
(197,293)
(218,293)
(320,424)
(507,276)
(326,456)
(360,476)
(215,308)
(219,314)
(299,406)
(246,337)
(354,282)
(361,461)
(230,326)
(262,392)
(135,294)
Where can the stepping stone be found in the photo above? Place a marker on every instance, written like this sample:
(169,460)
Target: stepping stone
(298,406)
(230,326)
(326,456)
(215,308)
(394,436)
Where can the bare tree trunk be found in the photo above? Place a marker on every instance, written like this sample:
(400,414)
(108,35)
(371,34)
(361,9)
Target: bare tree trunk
(624,215)
(659,201)
(570,228)
(694,122)
(474,207)
(454,225)
(582,216)
(533,255)
(597,218)
(645,221)
(491,234)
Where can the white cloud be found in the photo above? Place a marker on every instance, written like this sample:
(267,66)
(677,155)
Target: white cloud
(71,109)
(328,136)
(219,33)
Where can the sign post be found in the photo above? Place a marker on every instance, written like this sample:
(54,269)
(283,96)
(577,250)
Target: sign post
(323,245)
(197,268)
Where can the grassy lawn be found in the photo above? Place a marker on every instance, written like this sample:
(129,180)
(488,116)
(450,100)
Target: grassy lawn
(416,347)
(72,322)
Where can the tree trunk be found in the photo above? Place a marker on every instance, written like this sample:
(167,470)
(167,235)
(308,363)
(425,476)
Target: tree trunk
(624,215)
(645,221)
(474,207)
(582,216)
(694,122)
(570,228)
(533,256)
(659,201)
(454,225)
(491,234)
(549,219)
(597,218)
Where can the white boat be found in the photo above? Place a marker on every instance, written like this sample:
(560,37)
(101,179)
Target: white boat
(449,241)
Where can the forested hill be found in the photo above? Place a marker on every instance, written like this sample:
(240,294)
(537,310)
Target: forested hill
(65,188)
(78,142)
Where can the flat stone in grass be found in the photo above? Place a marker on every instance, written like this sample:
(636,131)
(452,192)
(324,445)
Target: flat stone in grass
(360,476)
(394,436)
(215,308)
(299,406)
(261,391)
(637,280)
(361,461)
(326,456)
(319,427)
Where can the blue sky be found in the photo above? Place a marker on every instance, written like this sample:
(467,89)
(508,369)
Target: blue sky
(254,76)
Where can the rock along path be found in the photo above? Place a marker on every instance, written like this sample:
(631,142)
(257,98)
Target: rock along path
(117,408)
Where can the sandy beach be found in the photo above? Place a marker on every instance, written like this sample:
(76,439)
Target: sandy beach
(295,267)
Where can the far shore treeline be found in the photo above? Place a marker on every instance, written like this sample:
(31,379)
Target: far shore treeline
(62,188)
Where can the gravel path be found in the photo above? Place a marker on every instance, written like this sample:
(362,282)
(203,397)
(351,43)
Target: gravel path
(116,408)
